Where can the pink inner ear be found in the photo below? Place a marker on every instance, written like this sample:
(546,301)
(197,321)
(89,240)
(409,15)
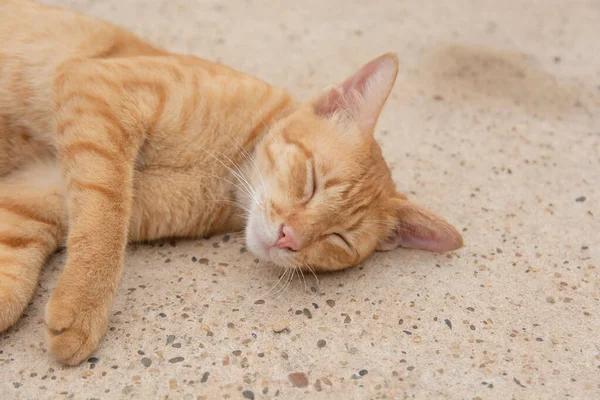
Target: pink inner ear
(330,102)
(362,94)
(421,229)
(426,239)
(358,81)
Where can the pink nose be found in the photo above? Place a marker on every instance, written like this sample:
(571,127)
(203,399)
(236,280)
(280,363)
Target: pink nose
(286,239)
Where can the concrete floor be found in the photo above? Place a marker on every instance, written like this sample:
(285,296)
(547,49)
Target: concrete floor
(494,123)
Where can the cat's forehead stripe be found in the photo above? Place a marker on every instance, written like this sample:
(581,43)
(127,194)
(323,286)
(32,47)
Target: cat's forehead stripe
(269,155)
(359,208)
(331,182)
(266,118)
(307,153)
(355,226)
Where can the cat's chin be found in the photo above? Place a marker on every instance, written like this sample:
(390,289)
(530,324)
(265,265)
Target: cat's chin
(256,244)
(258,248)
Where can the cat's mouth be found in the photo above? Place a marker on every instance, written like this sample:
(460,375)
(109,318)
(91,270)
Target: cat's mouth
(264,250)
(262,241)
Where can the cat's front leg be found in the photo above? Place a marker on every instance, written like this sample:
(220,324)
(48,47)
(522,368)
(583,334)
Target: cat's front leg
(97,156)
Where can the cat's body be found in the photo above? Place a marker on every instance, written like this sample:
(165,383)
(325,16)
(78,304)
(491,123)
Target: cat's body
(167,96)
(105,139)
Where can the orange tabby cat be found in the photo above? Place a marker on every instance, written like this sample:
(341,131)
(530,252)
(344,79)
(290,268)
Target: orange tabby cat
(105,139)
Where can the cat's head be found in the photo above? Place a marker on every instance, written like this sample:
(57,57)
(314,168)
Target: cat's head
(325,197)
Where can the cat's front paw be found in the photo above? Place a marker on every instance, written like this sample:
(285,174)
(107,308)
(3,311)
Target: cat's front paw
(74,327)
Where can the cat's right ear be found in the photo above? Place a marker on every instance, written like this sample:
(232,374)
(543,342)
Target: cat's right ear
(362,95)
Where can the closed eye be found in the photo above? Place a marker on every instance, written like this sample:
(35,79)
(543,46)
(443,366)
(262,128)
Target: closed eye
(342,238)
(314,180)
(312,189)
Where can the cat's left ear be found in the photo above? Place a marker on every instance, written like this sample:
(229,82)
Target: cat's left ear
(419,228)
(363,94)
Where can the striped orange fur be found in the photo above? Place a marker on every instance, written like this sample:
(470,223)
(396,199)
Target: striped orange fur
(144,144)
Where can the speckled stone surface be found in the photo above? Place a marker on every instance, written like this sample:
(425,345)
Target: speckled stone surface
(494,123)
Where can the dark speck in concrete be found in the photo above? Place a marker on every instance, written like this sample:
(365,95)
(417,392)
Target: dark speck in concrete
(298,379)
(248,394)
(176,360)
(146,362)
(448,322)
(580,199)
(518,382)
(205,377)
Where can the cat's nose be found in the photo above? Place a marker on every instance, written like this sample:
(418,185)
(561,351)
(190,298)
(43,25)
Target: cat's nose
(287,239)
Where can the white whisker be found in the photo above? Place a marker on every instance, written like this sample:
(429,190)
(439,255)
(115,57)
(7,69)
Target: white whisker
(239,174)
(276,283)
(315,275)
(300,275)
(285,283)
(285,288)
(303,278)
(248,191)
(234,204)
(250,158)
